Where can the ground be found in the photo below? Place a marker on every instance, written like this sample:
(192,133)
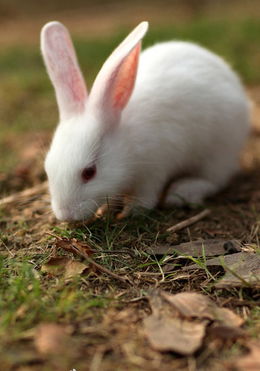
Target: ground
(61,311)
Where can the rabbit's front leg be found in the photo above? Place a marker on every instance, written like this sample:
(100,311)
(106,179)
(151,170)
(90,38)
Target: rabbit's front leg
(146,197)
(121,206)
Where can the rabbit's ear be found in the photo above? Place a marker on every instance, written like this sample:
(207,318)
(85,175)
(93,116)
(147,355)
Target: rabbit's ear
(62,66)
(115,82)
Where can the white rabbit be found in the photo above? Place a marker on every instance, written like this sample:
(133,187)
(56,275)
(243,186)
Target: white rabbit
(183,116)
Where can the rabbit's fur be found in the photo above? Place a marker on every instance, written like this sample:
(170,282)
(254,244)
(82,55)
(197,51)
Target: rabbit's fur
(185,118)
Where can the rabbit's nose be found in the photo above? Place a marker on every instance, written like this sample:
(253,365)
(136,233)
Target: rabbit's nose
(67,215)
(62,213)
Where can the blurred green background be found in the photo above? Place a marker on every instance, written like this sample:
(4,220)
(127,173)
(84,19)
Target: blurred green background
(28,112)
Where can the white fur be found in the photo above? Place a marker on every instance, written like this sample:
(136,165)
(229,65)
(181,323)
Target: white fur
(188,116)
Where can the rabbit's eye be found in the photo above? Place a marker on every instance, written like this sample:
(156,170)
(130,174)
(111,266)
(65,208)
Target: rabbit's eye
(88,173)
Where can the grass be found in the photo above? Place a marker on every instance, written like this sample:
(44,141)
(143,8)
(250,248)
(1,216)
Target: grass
(25,301)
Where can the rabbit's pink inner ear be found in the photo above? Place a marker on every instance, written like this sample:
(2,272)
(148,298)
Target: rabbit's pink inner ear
(63,68)
(115,82)
(77,92)
(125,79)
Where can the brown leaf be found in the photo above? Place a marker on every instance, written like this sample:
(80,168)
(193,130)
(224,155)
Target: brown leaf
(250,361)
(74,268)
(178,322)
(63,266)
(191,304)
(228,318)
(67,244)
(225,332)
(198,248)
(55,266)
(51,338)
(242,269)
(194,305)
(167,333)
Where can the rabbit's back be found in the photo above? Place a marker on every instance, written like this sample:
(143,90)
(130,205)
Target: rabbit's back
(187,103)
(187,86)
(183,76)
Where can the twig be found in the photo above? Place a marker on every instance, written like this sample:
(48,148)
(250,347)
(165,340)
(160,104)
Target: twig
(29,192)
(10,251)
(97,251)
(147,273)
(135,300)
(116,251)
(98,266)
(185,223)
(54,235)
(81,253)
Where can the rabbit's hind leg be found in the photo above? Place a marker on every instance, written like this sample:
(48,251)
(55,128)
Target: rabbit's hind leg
(189,191)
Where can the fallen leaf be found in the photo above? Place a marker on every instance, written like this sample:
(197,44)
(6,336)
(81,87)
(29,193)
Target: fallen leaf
(191,304)
(226,332)
(74,268)
(228,318)
(198,248)
(167,332)
(250,361)
(195,305)
(242,269)
(51,338)
(55,266)
(67,245)
(64,266)
(178,322)
(174,334)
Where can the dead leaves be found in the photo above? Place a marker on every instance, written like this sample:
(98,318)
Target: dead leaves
(63,266)
(199,248)
(180,322)
(248,362)
(194,305)
(70,245)
(71,268)
(51,338)
(174,334)
(242,269)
